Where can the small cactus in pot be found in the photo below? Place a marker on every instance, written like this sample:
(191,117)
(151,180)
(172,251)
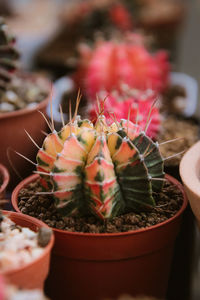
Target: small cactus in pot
(100,185)
(8,56)
(104,170)
(17,90)
(21,96)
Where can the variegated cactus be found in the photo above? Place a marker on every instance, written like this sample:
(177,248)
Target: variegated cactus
(100,169)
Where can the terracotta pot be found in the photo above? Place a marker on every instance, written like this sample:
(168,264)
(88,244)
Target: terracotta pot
(33,274)
(190,175)
(12,135)
(5,179)
(95,266)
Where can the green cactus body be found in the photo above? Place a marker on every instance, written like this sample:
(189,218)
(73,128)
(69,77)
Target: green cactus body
(102,170)
(131,172)
(152,158)
(8,55)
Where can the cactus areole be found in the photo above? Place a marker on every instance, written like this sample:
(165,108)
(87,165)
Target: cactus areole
(100,170)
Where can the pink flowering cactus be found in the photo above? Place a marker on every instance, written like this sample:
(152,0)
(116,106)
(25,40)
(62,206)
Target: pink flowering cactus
(112,63)
(137,106)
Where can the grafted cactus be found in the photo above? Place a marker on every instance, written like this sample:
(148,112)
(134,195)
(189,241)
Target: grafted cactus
(136,103)
(104,170)
(111,64)
(8,55)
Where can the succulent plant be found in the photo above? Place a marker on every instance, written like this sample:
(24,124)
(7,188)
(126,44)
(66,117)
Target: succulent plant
(113,63)
(135,103)
(18,90)
(8,55)
(100,169)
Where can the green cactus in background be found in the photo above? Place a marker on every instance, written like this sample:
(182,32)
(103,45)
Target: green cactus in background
(8,56)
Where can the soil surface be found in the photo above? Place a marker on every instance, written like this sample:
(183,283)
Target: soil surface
(168,202)
(174,100)
(172,128)
(23,92)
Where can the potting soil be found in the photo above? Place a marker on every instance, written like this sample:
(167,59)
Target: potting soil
(168,202)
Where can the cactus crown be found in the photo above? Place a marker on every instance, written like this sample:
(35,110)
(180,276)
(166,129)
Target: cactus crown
(100,169)
(8,56)
(133,103)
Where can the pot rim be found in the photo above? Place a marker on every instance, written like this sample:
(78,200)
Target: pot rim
(39,106)
(47,249)
(32,178)
(5,177)
(189,175)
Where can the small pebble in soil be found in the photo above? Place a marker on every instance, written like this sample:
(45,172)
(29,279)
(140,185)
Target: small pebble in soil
(44,236)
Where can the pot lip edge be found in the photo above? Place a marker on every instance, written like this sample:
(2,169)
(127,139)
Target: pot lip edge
(189,175)
(6,178)
(47,250)
(105,235)
(25,111)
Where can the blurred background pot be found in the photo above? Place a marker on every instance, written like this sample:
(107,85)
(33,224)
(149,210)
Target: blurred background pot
(4,180)
(13,136)
(94,266)
(33,274)
(190,175)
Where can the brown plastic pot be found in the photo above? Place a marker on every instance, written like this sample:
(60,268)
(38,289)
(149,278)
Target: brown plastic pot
(33,274)
(190,175)
(12,135)
(5,177)
(96,266)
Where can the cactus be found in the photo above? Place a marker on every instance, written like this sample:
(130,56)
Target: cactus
(100,169)
(8,56)
(136,103)
(113,63)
